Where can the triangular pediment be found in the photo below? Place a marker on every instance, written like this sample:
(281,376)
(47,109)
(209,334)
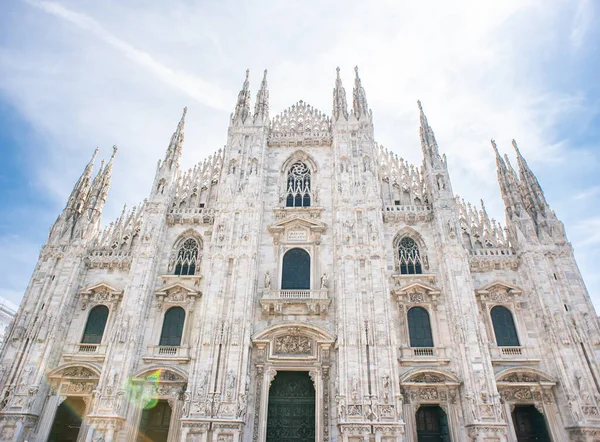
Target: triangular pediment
(418,287)
(298,222)
(499,285)
(101,287)
(175,287)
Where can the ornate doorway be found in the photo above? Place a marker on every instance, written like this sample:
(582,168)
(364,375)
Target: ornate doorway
(530,424)
(432,424)
(67,421)
(291,412)
(154,424)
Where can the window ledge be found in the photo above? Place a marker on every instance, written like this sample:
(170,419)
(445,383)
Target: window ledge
(509,355)
(85,352)
(167,353)
(423,355)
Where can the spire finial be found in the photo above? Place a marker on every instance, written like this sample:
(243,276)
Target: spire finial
(340,107)
(242,108)
(428,142)
(359,103)
(261,108)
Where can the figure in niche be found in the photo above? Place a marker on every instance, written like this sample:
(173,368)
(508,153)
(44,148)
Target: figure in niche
(267,283)
(441,183)
(324,281)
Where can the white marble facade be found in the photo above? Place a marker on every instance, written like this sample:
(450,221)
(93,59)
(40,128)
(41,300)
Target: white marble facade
(349,330)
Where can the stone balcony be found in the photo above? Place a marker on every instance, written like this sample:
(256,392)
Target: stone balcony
(423,355)
(512,355)
(85,352)
(167,353)
(295,302)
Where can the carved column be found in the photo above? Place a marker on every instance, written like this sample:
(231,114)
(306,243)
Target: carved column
(257,402)
(47,417)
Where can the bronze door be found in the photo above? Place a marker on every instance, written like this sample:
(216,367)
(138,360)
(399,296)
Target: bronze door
(530,424)
(291,412)
(154,423)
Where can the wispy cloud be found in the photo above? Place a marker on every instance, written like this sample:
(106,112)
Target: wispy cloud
(588,193)
(200,90)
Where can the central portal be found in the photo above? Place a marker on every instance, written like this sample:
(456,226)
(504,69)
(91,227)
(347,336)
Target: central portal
(291,412)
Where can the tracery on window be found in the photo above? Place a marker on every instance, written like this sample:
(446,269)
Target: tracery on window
(409,257)
(298,188)
(187,256)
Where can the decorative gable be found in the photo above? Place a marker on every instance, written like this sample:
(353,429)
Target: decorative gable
(498,291)
(100,293)
(297,230)
(176,293)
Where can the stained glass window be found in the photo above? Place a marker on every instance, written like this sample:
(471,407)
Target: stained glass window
(409,257)
(298,191)
(185,263)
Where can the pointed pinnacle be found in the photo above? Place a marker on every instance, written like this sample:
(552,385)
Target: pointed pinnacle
(265,76)
(337,70)
(495,148)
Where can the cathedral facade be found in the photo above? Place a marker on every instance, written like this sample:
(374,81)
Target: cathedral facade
(304,284)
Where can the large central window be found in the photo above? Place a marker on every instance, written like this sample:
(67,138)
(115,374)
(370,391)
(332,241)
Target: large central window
(298,192)
(296,270)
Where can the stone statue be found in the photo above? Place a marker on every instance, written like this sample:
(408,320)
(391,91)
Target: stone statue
(267,283)
(324,281)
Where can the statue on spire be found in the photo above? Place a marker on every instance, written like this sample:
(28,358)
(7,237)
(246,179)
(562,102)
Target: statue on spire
(176,144)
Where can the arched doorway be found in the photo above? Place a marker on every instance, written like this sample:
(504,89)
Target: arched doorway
(432,424)
(291,411)
(530,425)
(155,421)
(67,421)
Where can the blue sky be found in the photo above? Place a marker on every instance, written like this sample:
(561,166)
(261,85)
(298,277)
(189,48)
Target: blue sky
(79,74)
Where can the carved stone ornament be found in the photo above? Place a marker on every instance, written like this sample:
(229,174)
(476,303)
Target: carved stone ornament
(293,345)
(498,292)
(100,294)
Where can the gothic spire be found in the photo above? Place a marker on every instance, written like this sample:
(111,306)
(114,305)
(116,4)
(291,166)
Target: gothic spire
(82,187)
(176,144)
(509,184)
(100,186)
(428,142)
(261,108)
(242,108)
(359,103)
(529,183)
(340,107)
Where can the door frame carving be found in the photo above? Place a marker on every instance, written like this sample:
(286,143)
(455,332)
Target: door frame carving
(292,346)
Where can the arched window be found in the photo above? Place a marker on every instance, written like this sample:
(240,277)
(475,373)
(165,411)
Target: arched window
(298,192)
(296,270)
(504,327)
(172,328)
(94,328)
(409,257)
(185,263)
(419,328)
